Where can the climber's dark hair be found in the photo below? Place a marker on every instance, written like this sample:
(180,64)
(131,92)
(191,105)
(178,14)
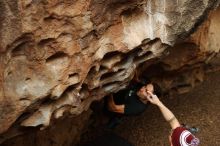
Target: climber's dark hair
(157,88)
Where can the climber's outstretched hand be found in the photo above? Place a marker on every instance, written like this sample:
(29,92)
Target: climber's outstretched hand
(153,98)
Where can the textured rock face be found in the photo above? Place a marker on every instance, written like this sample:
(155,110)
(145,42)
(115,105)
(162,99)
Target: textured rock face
(59,56)
(189,60)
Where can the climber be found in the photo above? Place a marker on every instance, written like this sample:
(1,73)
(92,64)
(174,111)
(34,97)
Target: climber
(130,101)
(180,136)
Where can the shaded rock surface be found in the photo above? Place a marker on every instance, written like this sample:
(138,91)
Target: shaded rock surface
(57,57)
(199,107)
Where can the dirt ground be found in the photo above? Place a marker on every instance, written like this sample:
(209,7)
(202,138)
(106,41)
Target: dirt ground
(200,107)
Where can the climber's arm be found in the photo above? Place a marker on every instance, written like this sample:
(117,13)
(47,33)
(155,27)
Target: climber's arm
(114,107)
(167,114)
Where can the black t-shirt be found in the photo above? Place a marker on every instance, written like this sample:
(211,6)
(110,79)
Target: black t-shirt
(129,97)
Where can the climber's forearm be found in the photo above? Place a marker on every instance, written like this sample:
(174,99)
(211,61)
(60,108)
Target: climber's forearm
(168,115)
(114,107)
(119,108)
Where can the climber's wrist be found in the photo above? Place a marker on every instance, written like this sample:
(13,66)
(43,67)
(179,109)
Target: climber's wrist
(159,104)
